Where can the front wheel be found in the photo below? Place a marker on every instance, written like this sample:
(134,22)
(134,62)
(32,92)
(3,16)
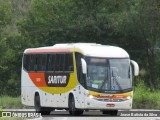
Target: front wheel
(72,109)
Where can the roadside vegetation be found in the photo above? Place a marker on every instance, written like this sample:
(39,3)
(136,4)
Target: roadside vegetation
(145,98)
(8,102)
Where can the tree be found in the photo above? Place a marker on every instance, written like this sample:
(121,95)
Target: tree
(50,22)
(141,25)
(4,21)
(11,47)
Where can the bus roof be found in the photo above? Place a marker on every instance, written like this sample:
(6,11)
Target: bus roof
(88,49)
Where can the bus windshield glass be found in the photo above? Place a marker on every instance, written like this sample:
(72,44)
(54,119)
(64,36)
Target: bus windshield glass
(108,74)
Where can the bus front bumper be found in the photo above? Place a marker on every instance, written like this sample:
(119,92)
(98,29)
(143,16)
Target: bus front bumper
(91,103)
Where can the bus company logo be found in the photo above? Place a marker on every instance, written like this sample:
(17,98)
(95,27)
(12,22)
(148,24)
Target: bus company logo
(56,80)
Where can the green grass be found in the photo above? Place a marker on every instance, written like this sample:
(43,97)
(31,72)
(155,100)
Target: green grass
(7,102)
(144,98)
(11,118)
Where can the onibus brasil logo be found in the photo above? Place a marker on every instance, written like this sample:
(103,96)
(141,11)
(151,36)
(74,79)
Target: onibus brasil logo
(24,114)
(4,114)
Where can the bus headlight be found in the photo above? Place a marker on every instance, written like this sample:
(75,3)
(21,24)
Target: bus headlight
(91,97)
(129,97)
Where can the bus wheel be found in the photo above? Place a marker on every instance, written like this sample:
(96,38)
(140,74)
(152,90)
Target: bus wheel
(38,108)
(72,109)
(110,112)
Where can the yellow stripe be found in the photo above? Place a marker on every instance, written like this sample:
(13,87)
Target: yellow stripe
(99,94)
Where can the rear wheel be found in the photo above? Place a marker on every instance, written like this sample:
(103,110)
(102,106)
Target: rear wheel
(110,112)
(39,109)
(72,109)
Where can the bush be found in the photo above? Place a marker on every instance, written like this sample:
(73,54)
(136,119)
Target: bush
(7,102)
(144,98)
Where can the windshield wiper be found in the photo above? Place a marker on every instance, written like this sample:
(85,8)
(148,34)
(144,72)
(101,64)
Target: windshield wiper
(115,78)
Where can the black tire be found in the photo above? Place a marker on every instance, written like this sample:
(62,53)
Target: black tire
(37,104)
(110,112)
(38,108)
(72,109)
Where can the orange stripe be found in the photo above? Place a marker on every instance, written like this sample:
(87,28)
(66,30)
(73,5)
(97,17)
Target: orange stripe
(38,79)
(47,50)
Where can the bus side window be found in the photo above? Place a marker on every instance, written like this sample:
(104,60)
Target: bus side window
(71,62)
(51,62)
(26,62)
(29,63)
(43,62)
(35,62)
(62,61)
(39,62)
(32,62)
(68,62)
(57,62)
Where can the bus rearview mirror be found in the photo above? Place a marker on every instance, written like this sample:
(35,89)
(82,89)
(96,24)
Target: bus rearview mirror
(84,66)
(135,68)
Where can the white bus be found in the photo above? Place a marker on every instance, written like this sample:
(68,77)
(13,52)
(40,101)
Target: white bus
(77,77)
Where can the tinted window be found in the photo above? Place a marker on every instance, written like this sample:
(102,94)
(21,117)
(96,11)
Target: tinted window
(61,62)
(57,62)
(32,62)
(41,62)
(26,61)
(51,62)
(68,62)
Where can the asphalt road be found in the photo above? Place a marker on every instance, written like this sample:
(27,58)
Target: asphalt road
(133,114)
(97,115)
(97,118)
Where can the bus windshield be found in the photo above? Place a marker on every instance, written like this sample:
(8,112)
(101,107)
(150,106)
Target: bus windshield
(108,74)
